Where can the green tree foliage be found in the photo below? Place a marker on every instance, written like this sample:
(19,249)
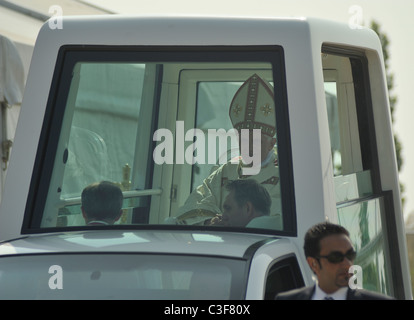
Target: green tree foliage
(393,99)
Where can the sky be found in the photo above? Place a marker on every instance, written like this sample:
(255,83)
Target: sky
(394,16)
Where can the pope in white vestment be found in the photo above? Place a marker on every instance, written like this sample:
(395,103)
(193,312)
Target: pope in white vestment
(252,108)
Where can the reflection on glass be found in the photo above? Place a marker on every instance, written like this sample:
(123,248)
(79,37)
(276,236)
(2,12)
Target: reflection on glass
(112,131)
(363,220)
(334,130)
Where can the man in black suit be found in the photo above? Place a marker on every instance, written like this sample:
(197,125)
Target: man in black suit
(329,253)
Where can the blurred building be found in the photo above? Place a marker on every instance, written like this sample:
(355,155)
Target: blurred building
(20,22)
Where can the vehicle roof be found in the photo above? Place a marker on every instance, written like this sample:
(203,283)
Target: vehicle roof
(233,245)
(199,30)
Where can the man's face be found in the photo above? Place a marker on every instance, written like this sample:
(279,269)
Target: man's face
(233,214)
(332,276)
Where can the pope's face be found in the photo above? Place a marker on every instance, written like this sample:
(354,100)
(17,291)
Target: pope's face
(255,141)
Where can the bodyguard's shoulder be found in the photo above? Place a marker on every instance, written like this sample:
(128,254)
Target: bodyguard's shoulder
(362,294)
(303,293)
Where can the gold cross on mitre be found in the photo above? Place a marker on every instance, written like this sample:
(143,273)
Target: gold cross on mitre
(266,109)
(237,109)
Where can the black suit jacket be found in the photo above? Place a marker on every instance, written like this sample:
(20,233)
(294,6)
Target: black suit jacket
(306,293)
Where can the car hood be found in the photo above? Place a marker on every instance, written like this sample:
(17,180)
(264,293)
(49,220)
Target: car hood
(236,245)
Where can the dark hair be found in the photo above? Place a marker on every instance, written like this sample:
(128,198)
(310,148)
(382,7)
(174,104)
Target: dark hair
(102,200)
(316,233)
(249,190)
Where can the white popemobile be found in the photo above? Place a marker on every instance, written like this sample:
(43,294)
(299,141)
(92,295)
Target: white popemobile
(100,89)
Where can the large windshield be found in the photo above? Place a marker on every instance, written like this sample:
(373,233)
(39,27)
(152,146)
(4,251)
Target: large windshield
(121,276)
(188,143)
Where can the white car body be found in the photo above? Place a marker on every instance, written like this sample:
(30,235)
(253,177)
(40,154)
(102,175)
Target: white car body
(313,192)
(50,277)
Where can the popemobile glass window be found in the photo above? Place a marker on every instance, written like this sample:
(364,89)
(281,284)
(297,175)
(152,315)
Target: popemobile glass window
(189,138)
(359,200)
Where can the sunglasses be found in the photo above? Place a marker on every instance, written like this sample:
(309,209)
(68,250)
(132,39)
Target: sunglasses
(337,257)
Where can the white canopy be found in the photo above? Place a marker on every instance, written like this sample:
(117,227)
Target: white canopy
(11,73)
(12,80)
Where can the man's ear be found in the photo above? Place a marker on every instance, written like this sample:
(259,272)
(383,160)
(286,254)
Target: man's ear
(83,212)
(249,208)
(84,215)
(313,264)
(119,216)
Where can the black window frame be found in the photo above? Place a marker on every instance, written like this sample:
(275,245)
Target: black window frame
(370,159)
(364,109)
(69,55)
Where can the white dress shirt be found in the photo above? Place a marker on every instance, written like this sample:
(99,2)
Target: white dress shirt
(339,294)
